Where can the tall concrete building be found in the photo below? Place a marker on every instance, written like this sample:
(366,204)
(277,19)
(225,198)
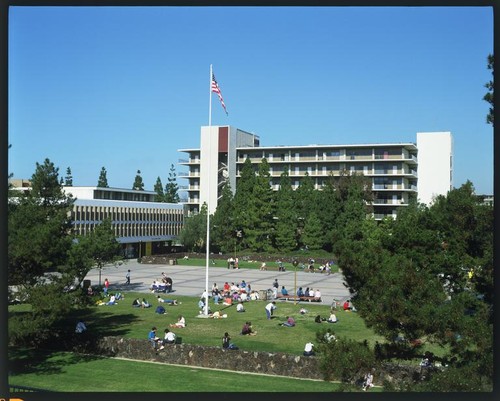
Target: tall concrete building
(398,171)
(435,164)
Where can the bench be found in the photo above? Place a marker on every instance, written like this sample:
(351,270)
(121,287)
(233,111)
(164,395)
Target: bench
(273,268)
(291,297)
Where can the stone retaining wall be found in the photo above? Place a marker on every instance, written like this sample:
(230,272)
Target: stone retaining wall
(277,363)
(211,357)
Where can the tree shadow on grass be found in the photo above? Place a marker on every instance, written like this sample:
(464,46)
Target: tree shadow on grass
(43,361)
(65,347)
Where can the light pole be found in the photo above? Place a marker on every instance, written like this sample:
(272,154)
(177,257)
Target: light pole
(295,263)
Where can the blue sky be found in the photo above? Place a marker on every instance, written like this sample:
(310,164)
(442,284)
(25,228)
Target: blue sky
(126,87)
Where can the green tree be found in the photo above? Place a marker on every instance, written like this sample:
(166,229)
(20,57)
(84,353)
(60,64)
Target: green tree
(68,180)
(194,232)
(45,261)
(312,233)
(286,223)
(344,359)
(96,250)
(305,197)
(328,211)
(243,199)
(38,244)
(410,278)
(102,182)
(223,226)
(260,233)
(489,97)
(171,188)
(138,184)
(38,225)
(158,188)
(354,197)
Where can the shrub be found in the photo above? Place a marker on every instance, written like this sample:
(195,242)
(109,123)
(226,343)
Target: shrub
(344,359)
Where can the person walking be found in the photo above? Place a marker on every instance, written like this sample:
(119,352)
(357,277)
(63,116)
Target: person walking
(127,277)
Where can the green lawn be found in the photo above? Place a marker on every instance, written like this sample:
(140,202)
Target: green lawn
(81,373)
(70,372)
(130,322)
(244,264)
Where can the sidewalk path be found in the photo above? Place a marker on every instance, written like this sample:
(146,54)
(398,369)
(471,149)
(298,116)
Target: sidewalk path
(190,280)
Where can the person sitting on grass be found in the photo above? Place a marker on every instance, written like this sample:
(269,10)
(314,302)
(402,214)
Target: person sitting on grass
(247,329)
(145,304)
(169,337)
(329,336)
(332,318)
(367,381)
(226,342)
(181,322)
(153,339)
(254,295)
(240,307)
(308,349)
(112,300)
(80,327)
(136,303)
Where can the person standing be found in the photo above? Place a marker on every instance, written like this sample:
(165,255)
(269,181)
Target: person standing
(106,286)
(127,277)
(270,307)
(275,283)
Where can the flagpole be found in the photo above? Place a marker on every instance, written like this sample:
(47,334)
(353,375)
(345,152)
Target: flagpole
(208,190)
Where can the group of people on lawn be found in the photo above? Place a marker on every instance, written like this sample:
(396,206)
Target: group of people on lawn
(159,343)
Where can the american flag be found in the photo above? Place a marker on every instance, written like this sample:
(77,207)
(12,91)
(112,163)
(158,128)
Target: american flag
(216,89)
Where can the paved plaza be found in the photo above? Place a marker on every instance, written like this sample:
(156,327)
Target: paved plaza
(190,280)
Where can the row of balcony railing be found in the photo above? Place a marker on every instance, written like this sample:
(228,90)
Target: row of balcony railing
(312,173)
(319,158)
(134,229)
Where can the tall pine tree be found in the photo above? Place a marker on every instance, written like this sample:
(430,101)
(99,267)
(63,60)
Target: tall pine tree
(138,185)
(102,182)
(158,188)
(172,189)
(286,216)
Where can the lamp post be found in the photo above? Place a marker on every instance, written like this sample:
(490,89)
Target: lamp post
(295,263)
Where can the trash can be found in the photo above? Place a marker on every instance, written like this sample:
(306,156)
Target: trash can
(263,295)
(86,284)
(171,262)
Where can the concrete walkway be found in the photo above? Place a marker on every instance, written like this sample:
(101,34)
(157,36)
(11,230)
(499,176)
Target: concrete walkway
(190,280)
